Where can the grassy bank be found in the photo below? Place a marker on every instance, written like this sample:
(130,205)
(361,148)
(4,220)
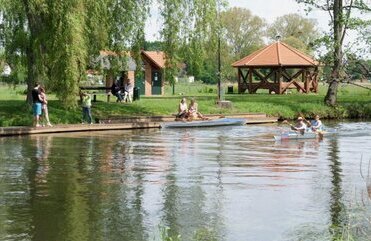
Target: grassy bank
(354,102)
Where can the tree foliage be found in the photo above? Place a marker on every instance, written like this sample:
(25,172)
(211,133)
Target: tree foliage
(242,34)
(56,39)
(242,31)
(343,19)
(295,30)
(189,34)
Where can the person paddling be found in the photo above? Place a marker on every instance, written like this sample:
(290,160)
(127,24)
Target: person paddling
(316,124)
(300,126)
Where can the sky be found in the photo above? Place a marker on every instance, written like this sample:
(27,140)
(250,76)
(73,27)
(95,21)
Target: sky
(267,9)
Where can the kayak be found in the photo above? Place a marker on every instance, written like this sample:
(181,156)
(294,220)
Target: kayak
(306,135)
(205,123)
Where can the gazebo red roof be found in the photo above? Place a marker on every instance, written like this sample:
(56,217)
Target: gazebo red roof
(276,54)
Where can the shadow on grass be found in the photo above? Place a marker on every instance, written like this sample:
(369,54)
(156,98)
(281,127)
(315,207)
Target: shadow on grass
(15,113)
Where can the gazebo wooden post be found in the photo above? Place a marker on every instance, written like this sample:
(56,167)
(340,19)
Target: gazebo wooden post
(307,81)
(303,74)
(315,80)
(250,79)
(279,78)
(239,80)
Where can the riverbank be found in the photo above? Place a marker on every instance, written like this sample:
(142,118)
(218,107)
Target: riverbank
(354,102)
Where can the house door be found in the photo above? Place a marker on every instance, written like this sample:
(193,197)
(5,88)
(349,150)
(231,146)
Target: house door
(139,82)
(156,83)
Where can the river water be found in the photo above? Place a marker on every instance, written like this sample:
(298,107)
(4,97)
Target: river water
(232,183)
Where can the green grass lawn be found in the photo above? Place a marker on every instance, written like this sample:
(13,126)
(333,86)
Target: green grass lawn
(353,102)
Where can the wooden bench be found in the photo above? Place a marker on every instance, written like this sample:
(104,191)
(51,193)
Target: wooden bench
(98,88)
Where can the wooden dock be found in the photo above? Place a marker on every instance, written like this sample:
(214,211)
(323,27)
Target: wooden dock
(122,123)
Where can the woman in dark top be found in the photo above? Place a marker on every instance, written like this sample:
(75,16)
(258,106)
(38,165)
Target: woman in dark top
(115,90)
(37,104)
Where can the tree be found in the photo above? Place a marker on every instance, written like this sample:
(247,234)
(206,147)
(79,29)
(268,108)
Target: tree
(153,46)
(242,34)
(341,20)
(172,15)
(57,38)
(242,31)
(294,30)
(189,34)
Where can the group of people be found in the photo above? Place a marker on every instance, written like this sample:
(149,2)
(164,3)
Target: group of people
(302,125)
(127,95)
(40,106)
(188,113)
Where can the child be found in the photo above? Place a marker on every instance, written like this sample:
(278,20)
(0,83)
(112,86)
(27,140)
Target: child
(44,106)
(86,108)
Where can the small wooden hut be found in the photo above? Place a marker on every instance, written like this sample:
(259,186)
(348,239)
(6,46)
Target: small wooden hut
(154,65)
(127,71)
(277,68)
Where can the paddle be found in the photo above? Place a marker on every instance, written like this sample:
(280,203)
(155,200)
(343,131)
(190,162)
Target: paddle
(287,123)
(293,127)
(307,121)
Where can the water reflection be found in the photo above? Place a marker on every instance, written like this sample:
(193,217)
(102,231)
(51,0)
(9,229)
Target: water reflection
(366,176)
(230,184)
(337,209)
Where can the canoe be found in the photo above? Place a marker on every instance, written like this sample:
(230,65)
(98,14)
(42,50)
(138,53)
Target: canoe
(205,123)
(306,135)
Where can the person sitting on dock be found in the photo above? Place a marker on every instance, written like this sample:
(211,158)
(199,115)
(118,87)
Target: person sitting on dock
(193,112)
(300,126)
(182,109)
(316,124)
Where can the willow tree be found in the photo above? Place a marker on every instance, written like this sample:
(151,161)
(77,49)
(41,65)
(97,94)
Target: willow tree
(189,33)
(57,38)
(51,37)
(342,20)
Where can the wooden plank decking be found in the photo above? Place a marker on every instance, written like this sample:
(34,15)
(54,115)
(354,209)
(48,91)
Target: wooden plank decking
(128,123)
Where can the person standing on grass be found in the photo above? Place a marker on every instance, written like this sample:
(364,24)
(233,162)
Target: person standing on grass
(44,106)
(86,108)
(37,104)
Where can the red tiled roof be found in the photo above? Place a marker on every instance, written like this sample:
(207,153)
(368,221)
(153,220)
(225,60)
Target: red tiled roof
(276,54)
(156,57)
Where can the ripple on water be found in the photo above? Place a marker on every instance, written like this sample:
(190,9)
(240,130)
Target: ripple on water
(235,182)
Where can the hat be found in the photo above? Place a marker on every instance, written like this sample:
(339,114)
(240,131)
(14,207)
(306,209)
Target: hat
(300,118)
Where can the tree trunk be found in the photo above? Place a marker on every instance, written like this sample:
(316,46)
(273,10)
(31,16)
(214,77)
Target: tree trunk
(34,24)
(32,73)
(331,96)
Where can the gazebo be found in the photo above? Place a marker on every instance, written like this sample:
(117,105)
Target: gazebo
(277,67)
